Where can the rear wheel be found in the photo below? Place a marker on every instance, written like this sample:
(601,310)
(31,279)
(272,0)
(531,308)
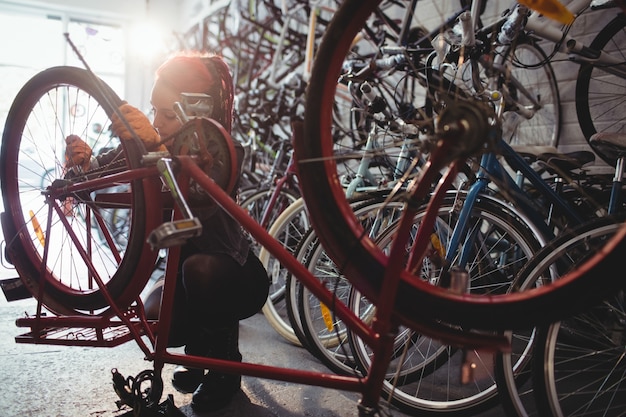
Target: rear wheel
(348,244)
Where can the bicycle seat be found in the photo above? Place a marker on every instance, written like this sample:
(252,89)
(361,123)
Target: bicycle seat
(531,152)
(558,163)
(610,146)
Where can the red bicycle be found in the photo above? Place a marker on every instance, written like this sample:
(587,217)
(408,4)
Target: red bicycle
(64,242)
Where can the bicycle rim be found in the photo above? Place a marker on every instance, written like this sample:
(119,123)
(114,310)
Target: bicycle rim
(364,264)
(600,95)
(60,244)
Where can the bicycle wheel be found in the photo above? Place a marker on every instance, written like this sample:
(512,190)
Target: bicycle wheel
(60,242)
(577,364)
(326,337)
(586,372)
(266,211)
(291,228)
(517,371)
(288,229)
(531,85)
(600,93)
(417,301)
(425,377)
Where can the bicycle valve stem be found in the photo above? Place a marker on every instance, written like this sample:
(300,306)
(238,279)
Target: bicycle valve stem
(467,371)
(459,280)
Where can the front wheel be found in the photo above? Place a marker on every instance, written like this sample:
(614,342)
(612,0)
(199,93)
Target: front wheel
(64,244)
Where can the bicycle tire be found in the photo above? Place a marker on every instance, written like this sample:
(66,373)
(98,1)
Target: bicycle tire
(531,68)
(426,380)
(417,302)
(586,368)
(289,229)
(307,244)
(516,372)
(600,96)
(326,337)
(559,382)
(256,204)
(53,104)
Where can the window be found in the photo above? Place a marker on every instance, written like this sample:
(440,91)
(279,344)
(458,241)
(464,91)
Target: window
(33,40)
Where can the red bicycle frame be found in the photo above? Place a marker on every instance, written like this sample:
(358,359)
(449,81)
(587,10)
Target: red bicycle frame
(132,324)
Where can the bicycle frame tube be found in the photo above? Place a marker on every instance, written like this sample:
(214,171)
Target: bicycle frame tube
(491,168)
(380,337)
(363,169)
(579,52)
(519,164)
(616,188)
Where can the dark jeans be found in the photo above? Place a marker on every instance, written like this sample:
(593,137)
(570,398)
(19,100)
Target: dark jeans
(213,291)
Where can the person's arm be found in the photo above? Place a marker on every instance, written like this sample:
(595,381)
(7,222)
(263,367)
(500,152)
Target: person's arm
(79,154)
(140,125)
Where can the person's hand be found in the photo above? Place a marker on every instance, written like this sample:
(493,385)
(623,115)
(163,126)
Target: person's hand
(139,124)
(77,153)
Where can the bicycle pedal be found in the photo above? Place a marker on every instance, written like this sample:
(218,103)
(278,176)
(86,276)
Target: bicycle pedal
(174,233)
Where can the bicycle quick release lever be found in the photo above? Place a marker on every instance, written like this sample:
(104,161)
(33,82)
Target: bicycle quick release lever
(176,232)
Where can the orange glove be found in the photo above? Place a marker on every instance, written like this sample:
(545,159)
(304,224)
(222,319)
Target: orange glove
(139,124)
(77,153)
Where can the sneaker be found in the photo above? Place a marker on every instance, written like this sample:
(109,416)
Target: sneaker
(187,380)
(215,392)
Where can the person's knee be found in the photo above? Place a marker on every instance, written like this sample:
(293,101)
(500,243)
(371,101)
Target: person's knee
(152,302)
(195,265)
(197,271)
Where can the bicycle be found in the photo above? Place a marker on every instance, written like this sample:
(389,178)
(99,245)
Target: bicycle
(105,317)
(112,311)
(496,173)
